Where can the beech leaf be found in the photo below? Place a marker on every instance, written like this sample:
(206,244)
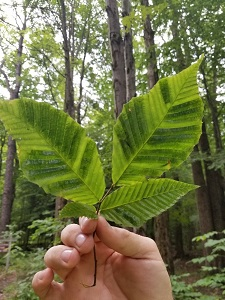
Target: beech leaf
(157,131)
(133,205)
(54,151)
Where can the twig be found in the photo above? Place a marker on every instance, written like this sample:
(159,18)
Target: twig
(94,249)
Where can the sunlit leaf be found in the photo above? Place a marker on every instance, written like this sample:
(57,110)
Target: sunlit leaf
(157,131)
(135,204)
(54,151)
(76,209)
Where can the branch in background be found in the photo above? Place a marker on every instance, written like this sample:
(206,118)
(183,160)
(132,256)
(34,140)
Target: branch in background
(7,82)
(49,60)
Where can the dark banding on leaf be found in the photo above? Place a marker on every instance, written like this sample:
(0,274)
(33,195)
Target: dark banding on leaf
(164,87)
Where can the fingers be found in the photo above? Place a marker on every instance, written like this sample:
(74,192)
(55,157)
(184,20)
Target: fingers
(75,236)
(88,225)
(126,242)
(62,260)
(42,282)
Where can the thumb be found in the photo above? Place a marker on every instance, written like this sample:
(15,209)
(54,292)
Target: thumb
(125,242)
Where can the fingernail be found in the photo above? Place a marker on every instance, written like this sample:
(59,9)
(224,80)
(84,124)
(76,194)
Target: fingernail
(80,239)
(83,220)
(41,275)
(65,256)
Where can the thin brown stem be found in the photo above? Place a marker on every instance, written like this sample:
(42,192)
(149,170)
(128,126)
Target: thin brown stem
(103,198)
(95,268)
(94,248)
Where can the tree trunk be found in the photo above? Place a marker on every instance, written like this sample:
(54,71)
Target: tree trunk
(9,186)
(202,195)
(82,73)
(2,145)
(161,222)
(10,173)
(69,89)
(117,54)
(177,38)
(149,39)
(69,106)
(214,178)
(179,245)
(178,230)
(129,57)
(215,189)
(212,103)
(203,199)
(162,239)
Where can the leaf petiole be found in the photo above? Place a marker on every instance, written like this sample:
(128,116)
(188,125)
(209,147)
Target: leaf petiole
(94,248)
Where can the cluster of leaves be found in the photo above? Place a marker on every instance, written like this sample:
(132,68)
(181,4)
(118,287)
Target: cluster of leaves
(46,230)
(25,265)
(182,290)
(154,133)
(212,275)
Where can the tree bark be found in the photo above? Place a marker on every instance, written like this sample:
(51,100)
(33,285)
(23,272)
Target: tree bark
(179,245)
(149,39)
(82,71)
(9,186)
(215,189)
(211,95)
(10,173)
(214,178)
(69,106)
(69,89)
(202,195)
(162,239)
(161,222)
(129,57)
(117,55)
(179,250)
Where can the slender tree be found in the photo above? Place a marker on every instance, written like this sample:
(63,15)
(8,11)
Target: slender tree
(117,55)
(129,57)
(161,223)
(68,49)
(202,196)
(183,48)
(14,91)
(149,39)
(72,49)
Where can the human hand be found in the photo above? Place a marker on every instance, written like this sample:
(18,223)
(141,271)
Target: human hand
(129,266)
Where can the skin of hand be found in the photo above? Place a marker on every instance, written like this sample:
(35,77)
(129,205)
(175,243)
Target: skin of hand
(129,266)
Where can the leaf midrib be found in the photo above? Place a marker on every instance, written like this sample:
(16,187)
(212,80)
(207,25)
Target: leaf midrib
(155,195)
(152,131)
(56,151)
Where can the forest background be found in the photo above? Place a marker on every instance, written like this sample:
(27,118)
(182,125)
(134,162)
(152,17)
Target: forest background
(88,58)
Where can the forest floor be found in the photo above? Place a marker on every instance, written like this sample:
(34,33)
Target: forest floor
(185,266)
(181,267)
(5,280)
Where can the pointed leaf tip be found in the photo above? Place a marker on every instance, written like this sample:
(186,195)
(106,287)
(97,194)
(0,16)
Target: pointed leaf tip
(135,204)
(157,131)
(54,151)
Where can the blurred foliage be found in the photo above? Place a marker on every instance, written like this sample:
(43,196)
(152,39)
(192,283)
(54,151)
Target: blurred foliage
(210,274)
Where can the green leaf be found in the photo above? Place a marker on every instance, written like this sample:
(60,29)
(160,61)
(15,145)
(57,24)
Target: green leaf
(76,209)
(135,204)
(157,131)
(54,151)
